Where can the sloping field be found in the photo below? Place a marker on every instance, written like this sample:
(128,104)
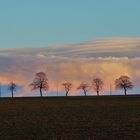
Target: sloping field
(71,118)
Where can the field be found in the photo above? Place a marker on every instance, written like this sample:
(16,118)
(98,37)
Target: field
(70,118)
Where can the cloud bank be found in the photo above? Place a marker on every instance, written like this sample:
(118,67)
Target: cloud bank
(105,58)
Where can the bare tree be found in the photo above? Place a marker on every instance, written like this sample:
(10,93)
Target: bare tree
(85,87)
(40,82)
(67,87)
(12,87)
(123,82)
(97,85)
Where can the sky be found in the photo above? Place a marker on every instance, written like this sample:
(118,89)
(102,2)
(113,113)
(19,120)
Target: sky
(34,23)
(69,40)
(107,59)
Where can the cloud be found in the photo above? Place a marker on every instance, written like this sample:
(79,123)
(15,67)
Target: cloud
(108,59)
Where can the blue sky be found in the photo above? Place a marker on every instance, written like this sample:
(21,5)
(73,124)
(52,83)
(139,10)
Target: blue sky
(30,23)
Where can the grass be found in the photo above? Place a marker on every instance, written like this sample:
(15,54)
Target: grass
(70,118)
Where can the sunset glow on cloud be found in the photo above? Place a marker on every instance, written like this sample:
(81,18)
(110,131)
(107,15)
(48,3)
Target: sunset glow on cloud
(107,59)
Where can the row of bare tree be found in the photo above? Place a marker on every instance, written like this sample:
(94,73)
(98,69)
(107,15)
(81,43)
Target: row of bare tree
(40,82)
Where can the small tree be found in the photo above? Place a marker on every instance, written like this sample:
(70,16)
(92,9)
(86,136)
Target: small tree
(67,87)
(123,82)
(85,87)
(97,85)
(40,82)
(12,87)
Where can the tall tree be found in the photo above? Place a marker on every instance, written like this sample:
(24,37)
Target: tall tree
(85,87)
(124,82)
(40,82)
(12,87)
(67,87)
(97,85)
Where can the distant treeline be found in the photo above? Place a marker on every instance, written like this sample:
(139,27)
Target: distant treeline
(41,83)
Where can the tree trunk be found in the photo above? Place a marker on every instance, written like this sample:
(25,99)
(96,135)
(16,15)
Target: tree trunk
(66,93)
(85,93)
(41,92)
(12,94)
(125,91)
(97,92)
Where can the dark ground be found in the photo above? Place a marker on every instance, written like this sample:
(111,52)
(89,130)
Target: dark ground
(71,118)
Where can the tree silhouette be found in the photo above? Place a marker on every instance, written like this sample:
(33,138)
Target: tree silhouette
(40,82)
(67,87)
(85,87)
(123,82)
(12,87)
(97,85)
